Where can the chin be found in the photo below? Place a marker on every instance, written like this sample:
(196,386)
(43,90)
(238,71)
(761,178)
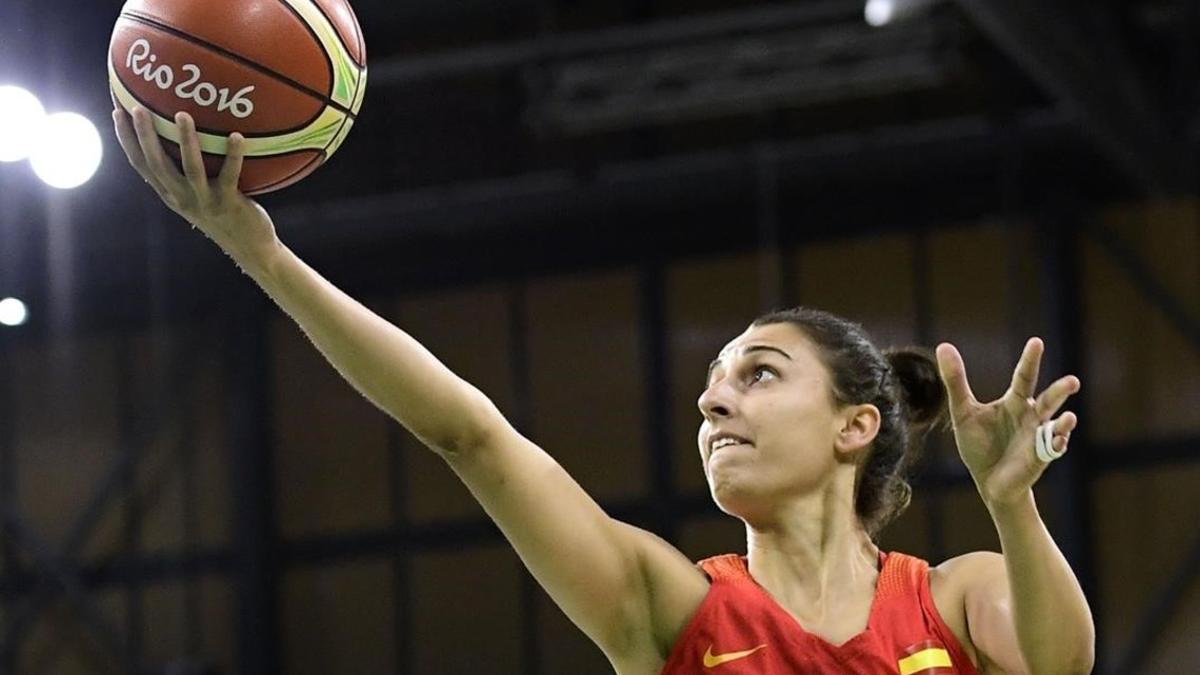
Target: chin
(734,497)
(754,502)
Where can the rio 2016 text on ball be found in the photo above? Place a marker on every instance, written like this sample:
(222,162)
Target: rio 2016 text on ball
(141,61)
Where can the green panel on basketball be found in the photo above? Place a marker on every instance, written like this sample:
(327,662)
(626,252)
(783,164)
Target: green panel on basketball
(289,75)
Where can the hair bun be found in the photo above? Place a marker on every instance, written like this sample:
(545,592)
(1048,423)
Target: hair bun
(924,394)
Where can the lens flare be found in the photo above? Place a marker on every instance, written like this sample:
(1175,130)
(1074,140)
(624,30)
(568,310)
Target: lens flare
(21,114)
(68,151)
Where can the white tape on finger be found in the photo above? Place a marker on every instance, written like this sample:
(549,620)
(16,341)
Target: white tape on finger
(1044,444)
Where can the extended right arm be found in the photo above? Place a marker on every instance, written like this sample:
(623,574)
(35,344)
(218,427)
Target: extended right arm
(604,574)
(382,362)
(628,590)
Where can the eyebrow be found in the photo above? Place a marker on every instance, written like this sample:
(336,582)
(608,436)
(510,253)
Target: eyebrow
(748,350)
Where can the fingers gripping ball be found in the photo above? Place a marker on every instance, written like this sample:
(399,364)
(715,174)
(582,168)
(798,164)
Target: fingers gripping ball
(290,75)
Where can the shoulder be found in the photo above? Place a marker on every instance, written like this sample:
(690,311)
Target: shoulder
(973,577)
(964,576)
(964,569)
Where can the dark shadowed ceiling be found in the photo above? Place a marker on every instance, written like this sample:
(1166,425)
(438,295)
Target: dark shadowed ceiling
(542,135)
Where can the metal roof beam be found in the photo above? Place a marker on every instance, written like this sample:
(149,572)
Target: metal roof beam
(501,56)
(1078,59)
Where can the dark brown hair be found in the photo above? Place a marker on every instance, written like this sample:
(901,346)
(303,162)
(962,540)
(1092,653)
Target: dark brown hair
(902,383)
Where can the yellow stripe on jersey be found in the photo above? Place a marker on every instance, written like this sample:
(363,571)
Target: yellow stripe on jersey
(924,660)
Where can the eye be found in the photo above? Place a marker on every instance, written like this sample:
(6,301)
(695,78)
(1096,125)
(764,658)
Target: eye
(760,372)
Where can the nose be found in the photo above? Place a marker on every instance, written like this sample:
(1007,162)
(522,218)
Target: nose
(717,400)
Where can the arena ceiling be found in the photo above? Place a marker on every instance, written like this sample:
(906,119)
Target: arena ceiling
(519,135)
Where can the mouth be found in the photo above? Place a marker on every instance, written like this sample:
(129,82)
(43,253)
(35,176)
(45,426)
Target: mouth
(726,448)
(726,442)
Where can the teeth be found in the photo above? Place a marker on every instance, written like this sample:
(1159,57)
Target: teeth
(724,442)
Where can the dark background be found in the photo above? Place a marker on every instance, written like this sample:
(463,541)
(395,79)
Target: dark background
(575,204)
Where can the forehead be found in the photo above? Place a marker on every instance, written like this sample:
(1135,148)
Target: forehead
(789,339)
(782,335)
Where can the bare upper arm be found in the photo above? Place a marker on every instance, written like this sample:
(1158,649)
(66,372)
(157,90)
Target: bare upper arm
(980,579)
(619,584)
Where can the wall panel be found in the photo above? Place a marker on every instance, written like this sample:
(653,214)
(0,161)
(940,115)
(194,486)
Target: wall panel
(466,612)
(972,304)
(869,281)
(1145,523)
(469,331)
(1177,650)
(705,537)
(969,526)
(339,619)
(588,381)
(67,432)
(1142,372)
(189,459)
(565,648)
(59,643)
(216,622)
(331,454)
(164,611)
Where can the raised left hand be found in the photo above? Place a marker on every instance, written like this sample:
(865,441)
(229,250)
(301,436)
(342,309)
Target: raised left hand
(996,439)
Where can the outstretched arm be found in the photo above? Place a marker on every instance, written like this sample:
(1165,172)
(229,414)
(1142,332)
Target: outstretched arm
(1025,609)
(610,578)
(385,364)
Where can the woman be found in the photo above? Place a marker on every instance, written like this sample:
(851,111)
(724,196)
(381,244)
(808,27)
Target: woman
(804,438)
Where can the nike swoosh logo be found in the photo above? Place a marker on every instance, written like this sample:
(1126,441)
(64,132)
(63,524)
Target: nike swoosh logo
(713,660)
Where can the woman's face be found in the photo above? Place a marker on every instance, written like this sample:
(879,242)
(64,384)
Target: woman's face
(769,394)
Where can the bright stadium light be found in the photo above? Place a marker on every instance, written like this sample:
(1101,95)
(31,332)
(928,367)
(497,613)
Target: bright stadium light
(880,12)
(68,151)
(883,12)
(12,312)
(21,113)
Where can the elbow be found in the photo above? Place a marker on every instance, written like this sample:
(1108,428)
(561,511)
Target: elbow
(455,443)
(481,423)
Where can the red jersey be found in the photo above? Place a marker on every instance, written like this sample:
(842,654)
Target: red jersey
(739,628)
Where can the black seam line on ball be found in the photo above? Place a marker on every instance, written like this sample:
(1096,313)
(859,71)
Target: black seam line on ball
(321,157)
(329,19)
(137,18)
(312,32)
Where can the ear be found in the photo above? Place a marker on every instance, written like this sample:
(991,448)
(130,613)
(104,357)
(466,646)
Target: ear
(860,426)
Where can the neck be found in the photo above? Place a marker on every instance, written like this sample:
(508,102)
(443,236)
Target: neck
(815,554)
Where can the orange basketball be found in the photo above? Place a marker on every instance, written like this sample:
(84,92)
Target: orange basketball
(289,75)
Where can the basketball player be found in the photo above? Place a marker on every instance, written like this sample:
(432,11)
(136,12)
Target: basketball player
(806,433)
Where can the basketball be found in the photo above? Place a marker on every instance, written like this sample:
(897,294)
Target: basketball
(289,75)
